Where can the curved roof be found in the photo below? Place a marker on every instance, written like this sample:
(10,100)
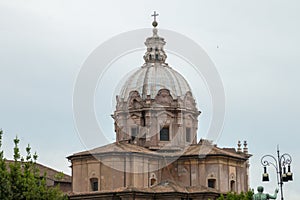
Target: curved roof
(151,78)
(155,74)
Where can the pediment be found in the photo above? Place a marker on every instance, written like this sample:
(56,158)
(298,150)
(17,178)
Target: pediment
(164,97)
(189,101)
(134,100)
(189,116)
(165,113)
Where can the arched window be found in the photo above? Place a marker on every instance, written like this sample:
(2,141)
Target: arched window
(153,179)
(94,184)
(232,186)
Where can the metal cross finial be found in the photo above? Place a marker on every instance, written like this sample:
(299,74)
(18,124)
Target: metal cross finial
(154,15)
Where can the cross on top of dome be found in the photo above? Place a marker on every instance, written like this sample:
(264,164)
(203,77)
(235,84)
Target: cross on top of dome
(154,23)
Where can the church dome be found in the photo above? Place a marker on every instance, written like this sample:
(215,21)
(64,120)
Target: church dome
(155,74)
(151,78)
(155,107)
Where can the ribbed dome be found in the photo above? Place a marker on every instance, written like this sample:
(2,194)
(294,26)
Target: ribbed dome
(152,77)
(155,74)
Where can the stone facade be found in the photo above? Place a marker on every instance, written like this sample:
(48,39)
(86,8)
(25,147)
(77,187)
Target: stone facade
(123,166)
(140,120)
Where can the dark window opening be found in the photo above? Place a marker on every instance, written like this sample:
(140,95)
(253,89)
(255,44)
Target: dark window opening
(152,181)
(164,134)
(143,120)
(211,183)
(94,184)
(134,133)
(188,135)
(232,186)
(135,103)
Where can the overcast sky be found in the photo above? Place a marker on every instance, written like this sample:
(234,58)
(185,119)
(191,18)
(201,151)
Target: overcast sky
(254,44)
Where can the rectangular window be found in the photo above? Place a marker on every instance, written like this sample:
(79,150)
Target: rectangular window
(94,184)
(134,132)
(188,135)
(164,134)
(232,186)
(211,183)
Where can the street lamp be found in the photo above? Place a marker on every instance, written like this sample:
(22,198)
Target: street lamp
(280,165)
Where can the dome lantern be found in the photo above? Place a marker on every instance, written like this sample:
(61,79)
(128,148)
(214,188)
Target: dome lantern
(155,52)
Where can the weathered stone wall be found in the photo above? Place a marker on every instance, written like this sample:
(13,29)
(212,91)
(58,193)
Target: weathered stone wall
(143,172)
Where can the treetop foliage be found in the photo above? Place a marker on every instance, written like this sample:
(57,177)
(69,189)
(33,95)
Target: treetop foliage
(21,178)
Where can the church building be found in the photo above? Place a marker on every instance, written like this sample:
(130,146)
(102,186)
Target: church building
(156,154)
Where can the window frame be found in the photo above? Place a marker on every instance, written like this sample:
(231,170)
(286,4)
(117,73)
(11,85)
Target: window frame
(188,137)
(164,135)
(136,131)
(94,181)
(212,181)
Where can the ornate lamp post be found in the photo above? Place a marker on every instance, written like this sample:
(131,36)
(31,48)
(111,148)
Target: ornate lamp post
(280,163)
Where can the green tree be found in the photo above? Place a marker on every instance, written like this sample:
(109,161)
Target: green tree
(5,187)
(22,180)
(234,196)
